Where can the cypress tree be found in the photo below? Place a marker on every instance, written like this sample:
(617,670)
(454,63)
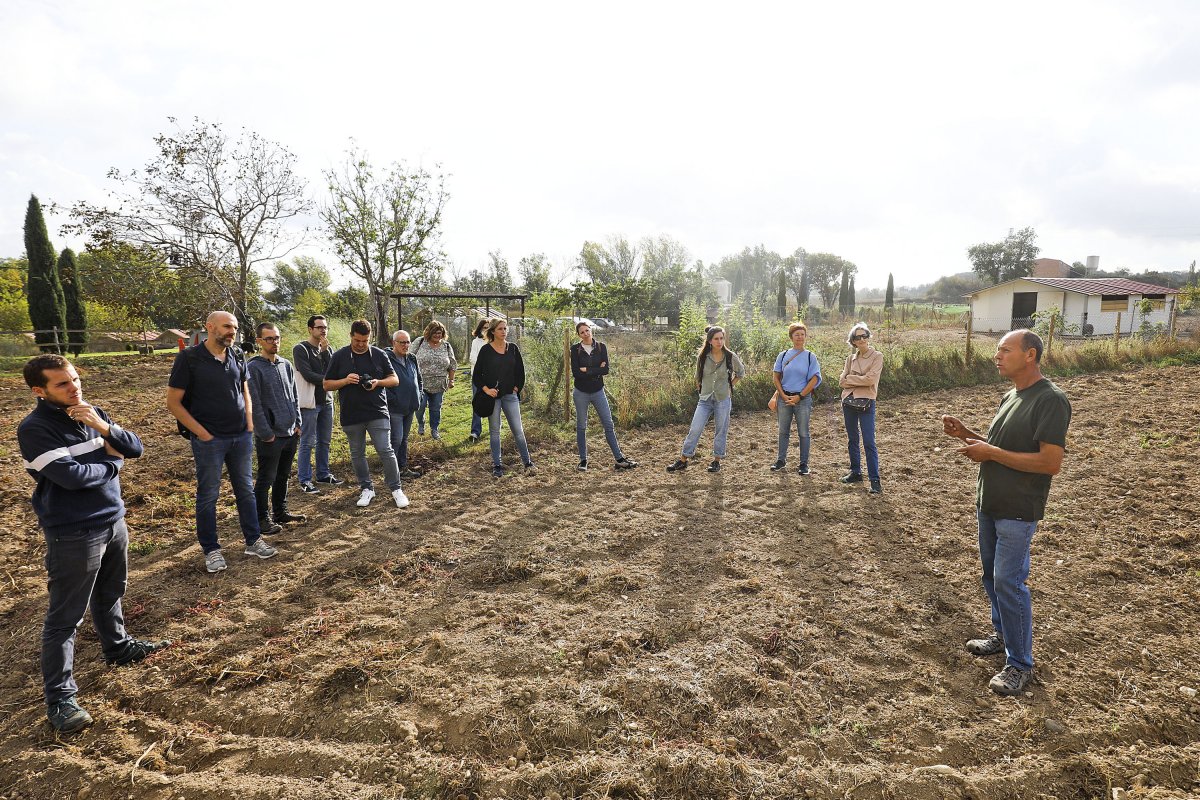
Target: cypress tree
(843,292)
(47,304)
(68,273)
(889,299)
(781,297)
(805,290)
(851,302)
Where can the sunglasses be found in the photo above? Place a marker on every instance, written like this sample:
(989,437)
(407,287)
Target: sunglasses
(861,336)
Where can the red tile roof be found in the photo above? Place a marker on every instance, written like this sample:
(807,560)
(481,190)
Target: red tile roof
(1103,285)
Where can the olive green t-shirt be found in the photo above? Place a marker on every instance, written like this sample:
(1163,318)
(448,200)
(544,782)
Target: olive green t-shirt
(1038,413)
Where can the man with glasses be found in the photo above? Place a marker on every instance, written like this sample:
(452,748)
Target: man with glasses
(316,405)
(403,399)
(276,428)
(359,373)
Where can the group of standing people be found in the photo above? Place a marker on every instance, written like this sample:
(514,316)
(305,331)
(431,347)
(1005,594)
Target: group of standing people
(75,452)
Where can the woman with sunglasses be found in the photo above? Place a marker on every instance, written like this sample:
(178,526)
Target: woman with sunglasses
(860,378)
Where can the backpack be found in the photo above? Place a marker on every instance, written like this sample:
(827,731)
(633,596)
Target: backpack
(189,355)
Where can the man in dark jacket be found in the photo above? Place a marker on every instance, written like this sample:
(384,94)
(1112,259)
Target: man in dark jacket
(316,406)
(75,453)
(276,428)
(403,399)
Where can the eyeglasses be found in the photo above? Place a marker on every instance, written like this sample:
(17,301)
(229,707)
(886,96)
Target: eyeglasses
(860,336)
(269,338)
(403,341)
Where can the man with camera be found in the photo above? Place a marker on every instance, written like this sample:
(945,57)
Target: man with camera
(360,372)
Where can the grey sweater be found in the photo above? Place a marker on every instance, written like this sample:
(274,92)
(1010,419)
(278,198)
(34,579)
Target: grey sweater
(273,396)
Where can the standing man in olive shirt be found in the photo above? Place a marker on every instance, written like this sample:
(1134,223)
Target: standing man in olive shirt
(1023,449)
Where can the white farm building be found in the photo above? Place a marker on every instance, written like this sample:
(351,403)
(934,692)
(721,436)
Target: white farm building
(1089,306)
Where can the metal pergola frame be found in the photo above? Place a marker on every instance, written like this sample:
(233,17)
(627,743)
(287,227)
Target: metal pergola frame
(487,299)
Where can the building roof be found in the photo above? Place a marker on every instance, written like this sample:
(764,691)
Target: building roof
(1093,286)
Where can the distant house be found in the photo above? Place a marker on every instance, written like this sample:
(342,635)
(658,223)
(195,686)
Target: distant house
(1051,268)
(1091,304)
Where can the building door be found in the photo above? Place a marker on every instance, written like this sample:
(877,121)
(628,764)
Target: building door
(1024,307)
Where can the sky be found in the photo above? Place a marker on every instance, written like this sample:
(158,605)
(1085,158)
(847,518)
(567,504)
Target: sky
(894,135)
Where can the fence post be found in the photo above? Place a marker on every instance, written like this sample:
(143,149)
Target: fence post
(1117,334)
(58,348)
(567,373)
(970,325)
(1050,334)
(1171,326)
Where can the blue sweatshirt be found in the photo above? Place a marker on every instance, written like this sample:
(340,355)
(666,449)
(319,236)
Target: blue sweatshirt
(273,397)
(77,480)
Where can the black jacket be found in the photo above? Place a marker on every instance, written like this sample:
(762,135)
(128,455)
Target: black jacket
(491,368)
(591,381)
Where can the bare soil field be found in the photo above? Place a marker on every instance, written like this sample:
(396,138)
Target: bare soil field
(643,635)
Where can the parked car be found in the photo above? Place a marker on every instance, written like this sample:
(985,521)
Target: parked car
(573,321)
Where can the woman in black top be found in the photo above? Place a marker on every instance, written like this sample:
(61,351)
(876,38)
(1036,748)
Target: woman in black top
(500,373)
(589,365)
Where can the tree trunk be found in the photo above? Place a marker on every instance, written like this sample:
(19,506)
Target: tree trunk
(383,337)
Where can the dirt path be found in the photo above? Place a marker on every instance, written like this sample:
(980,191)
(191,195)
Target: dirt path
(598,634)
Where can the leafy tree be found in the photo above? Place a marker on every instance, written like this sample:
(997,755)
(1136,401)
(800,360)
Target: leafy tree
(384,229)
(752,273)
(952,288)
(615,262)
(889,300)
(138,282)
(1078,269)
(662,254)
(501,276)
(77,316)
(805,289)
(47,304)
(215,207)
(293,280)
(825,270)
(311,301)
(1012,258)
(14,305)
(781,296)
(534,272)
(352,302)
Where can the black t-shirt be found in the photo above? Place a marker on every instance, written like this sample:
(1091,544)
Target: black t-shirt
(357,404)
(212,389)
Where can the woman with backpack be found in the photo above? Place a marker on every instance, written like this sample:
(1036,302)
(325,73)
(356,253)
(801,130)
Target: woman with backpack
(717,370)
(797,375)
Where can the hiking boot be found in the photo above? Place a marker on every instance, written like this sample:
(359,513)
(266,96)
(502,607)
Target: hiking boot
(287,517)
(582,465)
(260,548)
(267,527)
(309,488)
(778,465)
(625,463)
(876,488)
(365,498)
(852,477)
(802,469)
(400,497)
(531,469)
(214,561)
(329,480)
(410,472)
(715,466)
(1010,681)
(986,647)
(135,650)
(66,716)
(679,465)
(497,471)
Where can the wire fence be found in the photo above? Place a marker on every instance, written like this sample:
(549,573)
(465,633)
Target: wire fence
(70,340)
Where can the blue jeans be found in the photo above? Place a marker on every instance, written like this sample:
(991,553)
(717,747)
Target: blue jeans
(801,412)
(705,409)
(434,401)
(510,404)
(597,399)
(401,425)
(233,452)
(476,420)
(316,429)
(85,568)
(1004,552)
(381,437)
(865,422)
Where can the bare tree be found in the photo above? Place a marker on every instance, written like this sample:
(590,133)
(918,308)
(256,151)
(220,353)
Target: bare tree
(384,229)
(214,207)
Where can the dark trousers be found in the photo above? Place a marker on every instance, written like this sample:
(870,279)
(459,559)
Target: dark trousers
(274,467)
(85,568)
(401,425)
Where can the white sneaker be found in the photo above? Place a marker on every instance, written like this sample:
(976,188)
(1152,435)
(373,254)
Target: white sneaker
(400,498)
(366,497)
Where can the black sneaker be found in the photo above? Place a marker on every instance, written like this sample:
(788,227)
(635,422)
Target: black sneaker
(331,481)
(411,472)
(715,466)
(852,477)
(66,716)
(288,516)
(876,488)
(679,465)
(309,488)
(802,469)
(135,650)
(986,647)
(267,527)
(625,463)
(778,465)
(1010,681)
(582,465)
(497,471)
